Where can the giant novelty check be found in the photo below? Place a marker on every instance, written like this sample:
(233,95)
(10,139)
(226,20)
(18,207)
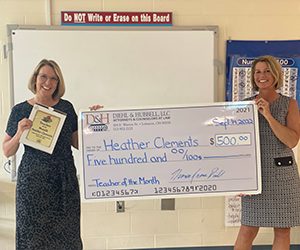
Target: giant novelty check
(170,152)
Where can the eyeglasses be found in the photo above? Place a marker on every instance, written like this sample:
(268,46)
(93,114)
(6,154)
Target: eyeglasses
(44,78)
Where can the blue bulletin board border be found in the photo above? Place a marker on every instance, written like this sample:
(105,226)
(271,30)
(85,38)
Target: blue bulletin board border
(286,51)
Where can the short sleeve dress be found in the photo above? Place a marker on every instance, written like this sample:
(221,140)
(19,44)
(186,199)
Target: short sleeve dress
(279,203)
(47,193)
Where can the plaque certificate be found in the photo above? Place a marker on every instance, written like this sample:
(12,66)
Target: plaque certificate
(46,127)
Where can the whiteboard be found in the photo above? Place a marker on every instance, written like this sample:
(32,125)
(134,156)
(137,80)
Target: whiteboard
(204,150)
(118,66)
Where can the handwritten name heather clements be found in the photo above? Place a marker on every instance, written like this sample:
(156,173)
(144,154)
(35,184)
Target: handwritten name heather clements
(130,144)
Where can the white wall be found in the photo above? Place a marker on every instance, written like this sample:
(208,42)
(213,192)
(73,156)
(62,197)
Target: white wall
(195,221)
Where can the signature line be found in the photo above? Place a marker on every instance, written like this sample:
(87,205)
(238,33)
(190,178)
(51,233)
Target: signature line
(225,156)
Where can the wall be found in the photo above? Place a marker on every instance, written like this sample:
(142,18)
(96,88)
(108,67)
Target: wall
(196,221)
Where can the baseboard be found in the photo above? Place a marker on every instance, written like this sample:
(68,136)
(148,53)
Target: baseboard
(260,247)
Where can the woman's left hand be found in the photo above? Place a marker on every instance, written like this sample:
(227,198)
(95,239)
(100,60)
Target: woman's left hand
(95,107)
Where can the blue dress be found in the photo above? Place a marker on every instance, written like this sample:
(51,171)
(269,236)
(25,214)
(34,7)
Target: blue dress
(47,193)
(279,203)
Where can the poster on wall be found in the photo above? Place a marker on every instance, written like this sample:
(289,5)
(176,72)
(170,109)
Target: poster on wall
(104,18)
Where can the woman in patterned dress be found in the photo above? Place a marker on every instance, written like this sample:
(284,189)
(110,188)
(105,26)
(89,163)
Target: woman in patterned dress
(278,206)
(47,193)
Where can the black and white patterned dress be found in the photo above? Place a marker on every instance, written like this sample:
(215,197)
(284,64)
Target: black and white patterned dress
(279,203)
(47,193)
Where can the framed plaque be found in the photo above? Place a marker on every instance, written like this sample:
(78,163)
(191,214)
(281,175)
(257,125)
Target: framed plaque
(46,127)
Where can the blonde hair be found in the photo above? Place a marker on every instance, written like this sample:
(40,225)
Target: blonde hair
(60,89)
(275,69)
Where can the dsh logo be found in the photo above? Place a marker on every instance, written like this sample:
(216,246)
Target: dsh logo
(97,122)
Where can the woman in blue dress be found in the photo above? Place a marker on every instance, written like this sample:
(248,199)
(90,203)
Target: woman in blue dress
(47,192)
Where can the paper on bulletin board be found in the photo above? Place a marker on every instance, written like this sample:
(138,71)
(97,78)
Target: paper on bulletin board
(233,208)
(207,150)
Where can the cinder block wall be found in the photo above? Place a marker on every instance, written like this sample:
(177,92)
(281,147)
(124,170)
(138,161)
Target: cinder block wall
(195,221)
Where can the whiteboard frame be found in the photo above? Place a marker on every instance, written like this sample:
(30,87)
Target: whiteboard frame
(8,52)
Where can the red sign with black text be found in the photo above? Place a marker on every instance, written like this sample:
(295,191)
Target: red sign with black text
(117,18)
